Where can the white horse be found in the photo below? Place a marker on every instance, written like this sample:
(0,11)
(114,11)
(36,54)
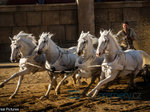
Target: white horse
(24,44)
(117,63)
(87,58)
(59,59)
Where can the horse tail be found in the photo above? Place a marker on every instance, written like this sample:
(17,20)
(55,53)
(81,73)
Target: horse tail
(146,57)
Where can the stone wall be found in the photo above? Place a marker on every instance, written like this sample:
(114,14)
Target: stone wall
(111,15)
(60,19)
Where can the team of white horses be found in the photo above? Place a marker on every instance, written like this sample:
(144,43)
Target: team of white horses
(106,63)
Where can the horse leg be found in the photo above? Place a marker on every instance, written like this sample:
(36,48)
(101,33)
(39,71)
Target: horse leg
(86,89)
(25,71)
(78,77)
(111,77)
(102,77)
(49,87)
(74,79)
(57,90)
(131,83)
(65,82)
(18,85)
(51,77)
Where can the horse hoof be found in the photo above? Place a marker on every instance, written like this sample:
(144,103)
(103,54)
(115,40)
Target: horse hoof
(44,98)
(89,94)
(1,85)
(11,97)
(57,92)
(65,82)
(129,88)
(94,96)
(84,83)
(83,95)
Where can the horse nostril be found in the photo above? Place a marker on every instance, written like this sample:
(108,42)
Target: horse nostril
(39,52)
(12,60)
(79,53)
(53,68)
(98,54)
(76,67)
(19,56)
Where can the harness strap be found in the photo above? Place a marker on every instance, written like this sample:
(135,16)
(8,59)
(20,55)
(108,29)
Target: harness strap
(59,57)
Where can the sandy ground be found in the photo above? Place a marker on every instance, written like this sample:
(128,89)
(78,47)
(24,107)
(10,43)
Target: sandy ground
(113,99)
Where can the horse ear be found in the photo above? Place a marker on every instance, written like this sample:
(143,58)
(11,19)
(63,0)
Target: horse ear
(109,31)
(21,32)
(94,41)
(17,39)
(87,33)
(82,32)
(42,33)
(10,38)
(100,32)
(51,35)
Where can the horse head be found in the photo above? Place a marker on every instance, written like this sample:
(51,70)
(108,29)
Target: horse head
(85,42)
(102,43)
(23,44)
(43,42)
(15,55)
(107,43)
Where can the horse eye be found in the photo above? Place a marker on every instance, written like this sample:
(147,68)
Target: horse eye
(44,41)
(84,41)
(105,40)
(17,47)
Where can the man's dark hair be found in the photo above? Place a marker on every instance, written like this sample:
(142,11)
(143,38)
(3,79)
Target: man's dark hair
(125,22)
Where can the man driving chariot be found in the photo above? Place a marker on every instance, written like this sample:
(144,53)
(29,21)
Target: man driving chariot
(126,36)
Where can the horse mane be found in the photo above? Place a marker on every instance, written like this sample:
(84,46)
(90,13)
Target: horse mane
(113,37)
(90,35)
(22,34)
(48,35)
(115,40)
(81,37)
